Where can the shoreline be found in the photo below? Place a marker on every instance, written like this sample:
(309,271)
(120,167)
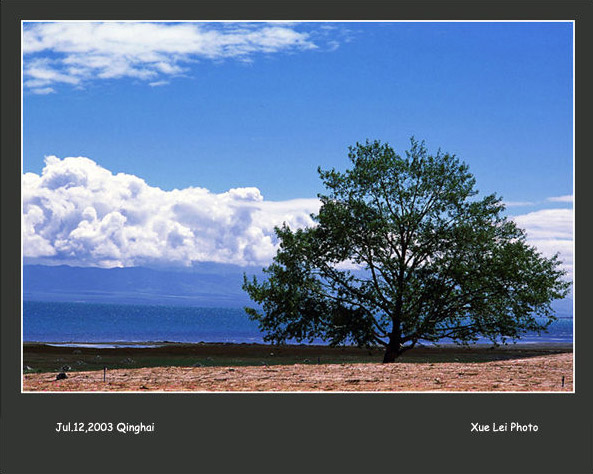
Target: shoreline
(53,357)
(545,345)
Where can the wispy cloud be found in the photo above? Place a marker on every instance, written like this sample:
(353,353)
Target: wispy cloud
(567,198)
(518,203)
(560,199)
(78,52)
(158,83)
(44,90)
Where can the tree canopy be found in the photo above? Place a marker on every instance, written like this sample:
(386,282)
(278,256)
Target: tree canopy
(404,250)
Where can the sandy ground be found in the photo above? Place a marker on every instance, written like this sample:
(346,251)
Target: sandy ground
(543,373)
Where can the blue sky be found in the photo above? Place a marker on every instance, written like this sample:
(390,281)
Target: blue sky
(224,106)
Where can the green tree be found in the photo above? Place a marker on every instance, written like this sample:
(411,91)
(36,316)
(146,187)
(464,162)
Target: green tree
(403,250)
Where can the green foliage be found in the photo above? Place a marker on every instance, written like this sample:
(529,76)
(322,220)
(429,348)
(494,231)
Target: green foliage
(404,250)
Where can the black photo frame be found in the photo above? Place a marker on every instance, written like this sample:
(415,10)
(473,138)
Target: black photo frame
(274,433)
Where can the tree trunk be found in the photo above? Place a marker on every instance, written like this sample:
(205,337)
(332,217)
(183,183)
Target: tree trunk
(393,348)
(392,351)
(390,355)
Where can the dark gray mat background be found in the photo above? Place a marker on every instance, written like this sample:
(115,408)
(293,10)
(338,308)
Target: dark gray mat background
(305,433)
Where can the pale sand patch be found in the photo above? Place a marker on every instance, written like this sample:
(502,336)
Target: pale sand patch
(527,374)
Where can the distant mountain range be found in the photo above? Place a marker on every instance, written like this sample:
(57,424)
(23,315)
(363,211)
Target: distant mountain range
(204,284)
(207,285)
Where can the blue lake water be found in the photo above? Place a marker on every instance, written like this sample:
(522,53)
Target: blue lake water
(92,323)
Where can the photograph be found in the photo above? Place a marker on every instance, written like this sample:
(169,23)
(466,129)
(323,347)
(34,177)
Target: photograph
(297,206)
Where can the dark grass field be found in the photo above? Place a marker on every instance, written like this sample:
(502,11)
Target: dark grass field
(38,357)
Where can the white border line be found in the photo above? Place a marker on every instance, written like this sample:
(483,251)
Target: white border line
(298,21)
(574,260)
(573,22)
(22,213)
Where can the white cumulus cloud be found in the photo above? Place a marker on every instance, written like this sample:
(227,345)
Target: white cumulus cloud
(77,52)
(79,213)
(550,231)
